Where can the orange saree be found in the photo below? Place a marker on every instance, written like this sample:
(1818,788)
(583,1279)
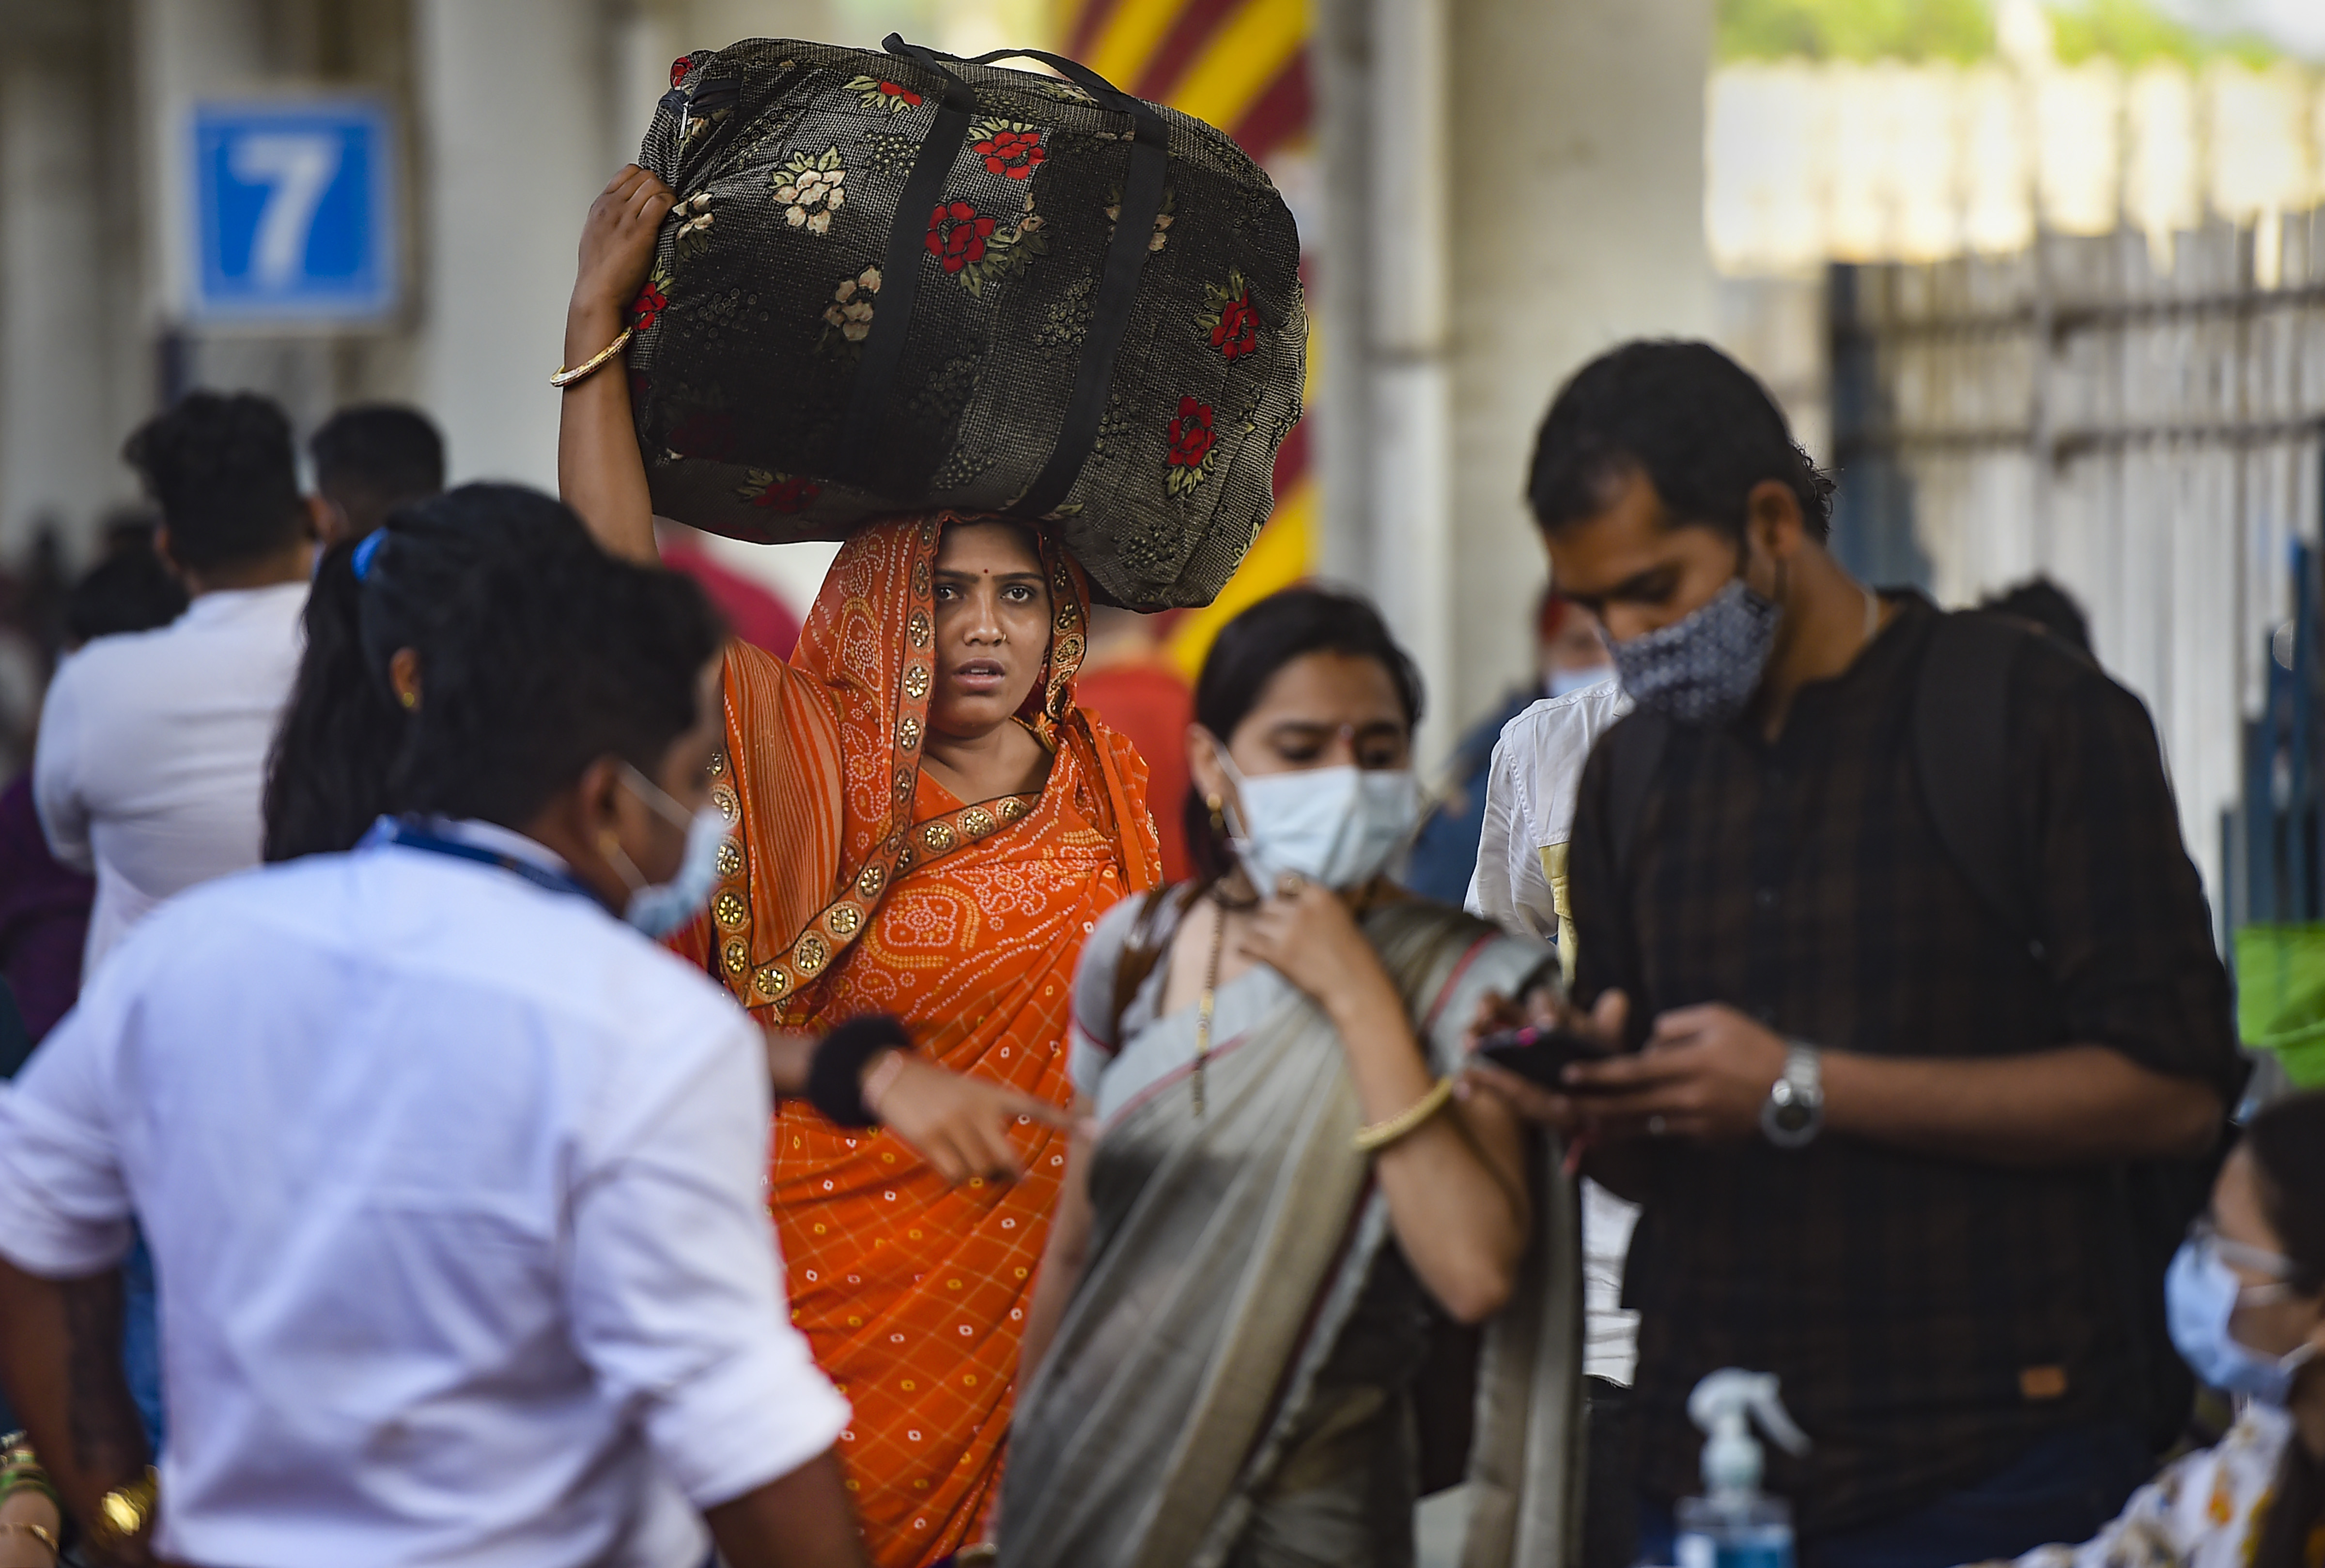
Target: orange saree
(857,884)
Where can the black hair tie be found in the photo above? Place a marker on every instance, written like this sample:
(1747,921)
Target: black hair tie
(835,1073)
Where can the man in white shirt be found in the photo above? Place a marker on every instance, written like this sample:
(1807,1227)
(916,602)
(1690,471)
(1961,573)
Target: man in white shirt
(454,1180)
(152,745)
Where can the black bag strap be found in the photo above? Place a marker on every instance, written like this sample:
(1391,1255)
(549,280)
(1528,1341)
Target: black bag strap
(1961,757)
(899,268)
(1125,260)
(1118,289)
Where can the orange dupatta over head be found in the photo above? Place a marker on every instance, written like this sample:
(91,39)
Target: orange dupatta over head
(857,885)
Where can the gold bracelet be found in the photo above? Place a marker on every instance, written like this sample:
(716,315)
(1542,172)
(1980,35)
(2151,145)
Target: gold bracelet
(565,377)
(122,1513)
(1371,1140)
(40,1533)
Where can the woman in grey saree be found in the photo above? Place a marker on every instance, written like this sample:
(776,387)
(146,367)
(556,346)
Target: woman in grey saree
(1237,1299)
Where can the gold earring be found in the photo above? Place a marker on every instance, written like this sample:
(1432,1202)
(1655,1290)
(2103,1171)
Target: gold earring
(411,700)
(1218,814)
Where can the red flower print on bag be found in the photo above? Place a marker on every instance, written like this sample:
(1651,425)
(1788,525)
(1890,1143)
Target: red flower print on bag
(779,492)
(704,434)
(1238,332)
(650,302)
(878,93)
(1189,435)
(1009,148)
(1231,321)
(678,70)
(957,235)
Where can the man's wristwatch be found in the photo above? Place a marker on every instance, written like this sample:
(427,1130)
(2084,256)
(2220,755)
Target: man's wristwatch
(1793,1113)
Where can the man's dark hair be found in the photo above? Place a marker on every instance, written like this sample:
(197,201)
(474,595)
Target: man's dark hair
(1257,643)
(222,469)
(373,458)
(130,591)
(552,664)
(1690,419)
(328,777)
(2048,606)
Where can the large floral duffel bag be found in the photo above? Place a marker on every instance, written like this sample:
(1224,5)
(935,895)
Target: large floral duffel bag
(900,282)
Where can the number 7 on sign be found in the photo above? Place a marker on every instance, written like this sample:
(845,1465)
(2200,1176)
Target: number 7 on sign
(296,168)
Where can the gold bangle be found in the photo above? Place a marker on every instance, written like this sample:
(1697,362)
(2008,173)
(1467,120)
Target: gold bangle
(122,1513)
(565,377)
(40,1533)
(1371,1140)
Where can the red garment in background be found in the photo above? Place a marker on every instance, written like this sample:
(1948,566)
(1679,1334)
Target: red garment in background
(753,612)
(1153,705)
(43,914)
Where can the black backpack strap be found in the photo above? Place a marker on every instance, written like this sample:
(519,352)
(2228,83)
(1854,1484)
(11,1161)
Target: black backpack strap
(1961,755)
(1638,744)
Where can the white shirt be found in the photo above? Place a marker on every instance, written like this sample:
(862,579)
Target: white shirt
(1531,789)
(152,756)
(455,1189)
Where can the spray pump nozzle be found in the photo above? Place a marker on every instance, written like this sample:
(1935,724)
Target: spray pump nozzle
(1724,1407)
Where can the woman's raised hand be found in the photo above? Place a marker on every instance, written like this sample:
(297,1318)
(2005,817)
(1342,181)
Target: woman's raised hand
(1308,935)
(618,239)
(960,1125)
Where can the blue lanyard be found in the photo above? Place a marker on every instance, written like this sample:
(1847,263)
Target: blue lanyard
(412,835)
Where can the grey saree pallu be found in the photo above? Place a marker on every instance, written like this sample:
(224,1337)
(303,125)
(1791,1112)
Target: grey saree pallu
(1228,1253)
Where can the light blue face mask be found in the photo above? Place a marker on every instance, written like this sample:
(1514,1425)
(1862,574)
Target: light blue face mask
(660,908)
(2200,1295)
(1334,825)
(1564,682)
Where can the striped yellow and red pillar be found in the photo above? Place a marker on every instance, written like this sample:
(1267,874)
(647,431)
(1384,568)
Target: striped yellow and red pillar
(1242,65)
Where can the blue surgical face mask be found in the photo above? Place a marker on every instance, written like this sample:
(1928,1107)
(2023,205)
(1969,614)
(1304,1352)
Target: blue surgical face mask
(2200,1295)
(660,908)
(1334,825)
(1702,668)
(1564,682)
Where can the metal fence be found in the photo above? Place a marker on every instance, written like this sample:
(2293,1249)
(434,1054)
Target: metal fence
(2146,435)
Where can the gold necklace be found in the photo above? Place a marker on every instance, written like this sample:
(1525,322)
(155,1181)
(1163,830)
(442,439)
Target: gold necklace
(1210,994)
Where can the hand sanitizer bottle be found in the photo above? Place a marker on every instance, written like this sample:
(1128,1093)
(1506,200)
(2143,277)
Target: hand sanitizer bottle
(1735,1525)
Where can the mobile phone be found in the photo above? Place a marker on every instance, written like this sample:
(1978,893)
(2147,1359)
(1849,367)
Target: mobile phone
(1539,1055)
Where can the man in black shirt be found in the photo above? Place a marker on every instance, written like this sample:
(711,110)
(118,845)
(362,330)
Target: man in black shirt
(1881,1137)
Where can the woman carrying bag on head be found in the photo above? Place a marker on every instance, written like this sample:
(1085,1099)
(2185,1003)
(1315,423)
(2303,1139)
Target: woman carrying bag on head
(925,827)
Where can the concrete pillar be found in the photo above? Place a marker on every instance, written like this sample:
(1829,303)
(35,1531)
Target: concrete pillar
(1578,211)
(63,283)
(1562,189)
(513,96)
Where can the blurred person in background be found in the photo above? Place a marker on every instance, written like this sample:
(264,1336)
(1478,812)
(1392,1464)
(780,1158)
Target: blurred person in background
(495,1284)
(44,904)
(2043,603)
(153,745)
(1127,681)
(1569,657)
(2247,1297)
(755,612)
(1882,1139)
(369,459)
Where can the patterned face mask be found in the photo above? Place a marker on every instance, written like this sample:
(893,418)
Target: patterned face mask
(1702,668)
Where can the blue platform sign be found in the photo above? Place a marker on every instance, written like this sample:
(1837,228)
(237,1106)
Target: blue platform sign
(293,210)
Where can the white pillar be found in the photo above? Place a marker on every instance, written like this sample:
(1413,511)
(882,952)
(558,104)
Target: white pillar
(512,135)
(62,310)
(1577,181)
(1407,348)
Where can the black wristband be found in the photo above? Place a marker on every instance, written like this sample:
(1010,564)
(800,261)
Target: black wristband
(835,1073)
